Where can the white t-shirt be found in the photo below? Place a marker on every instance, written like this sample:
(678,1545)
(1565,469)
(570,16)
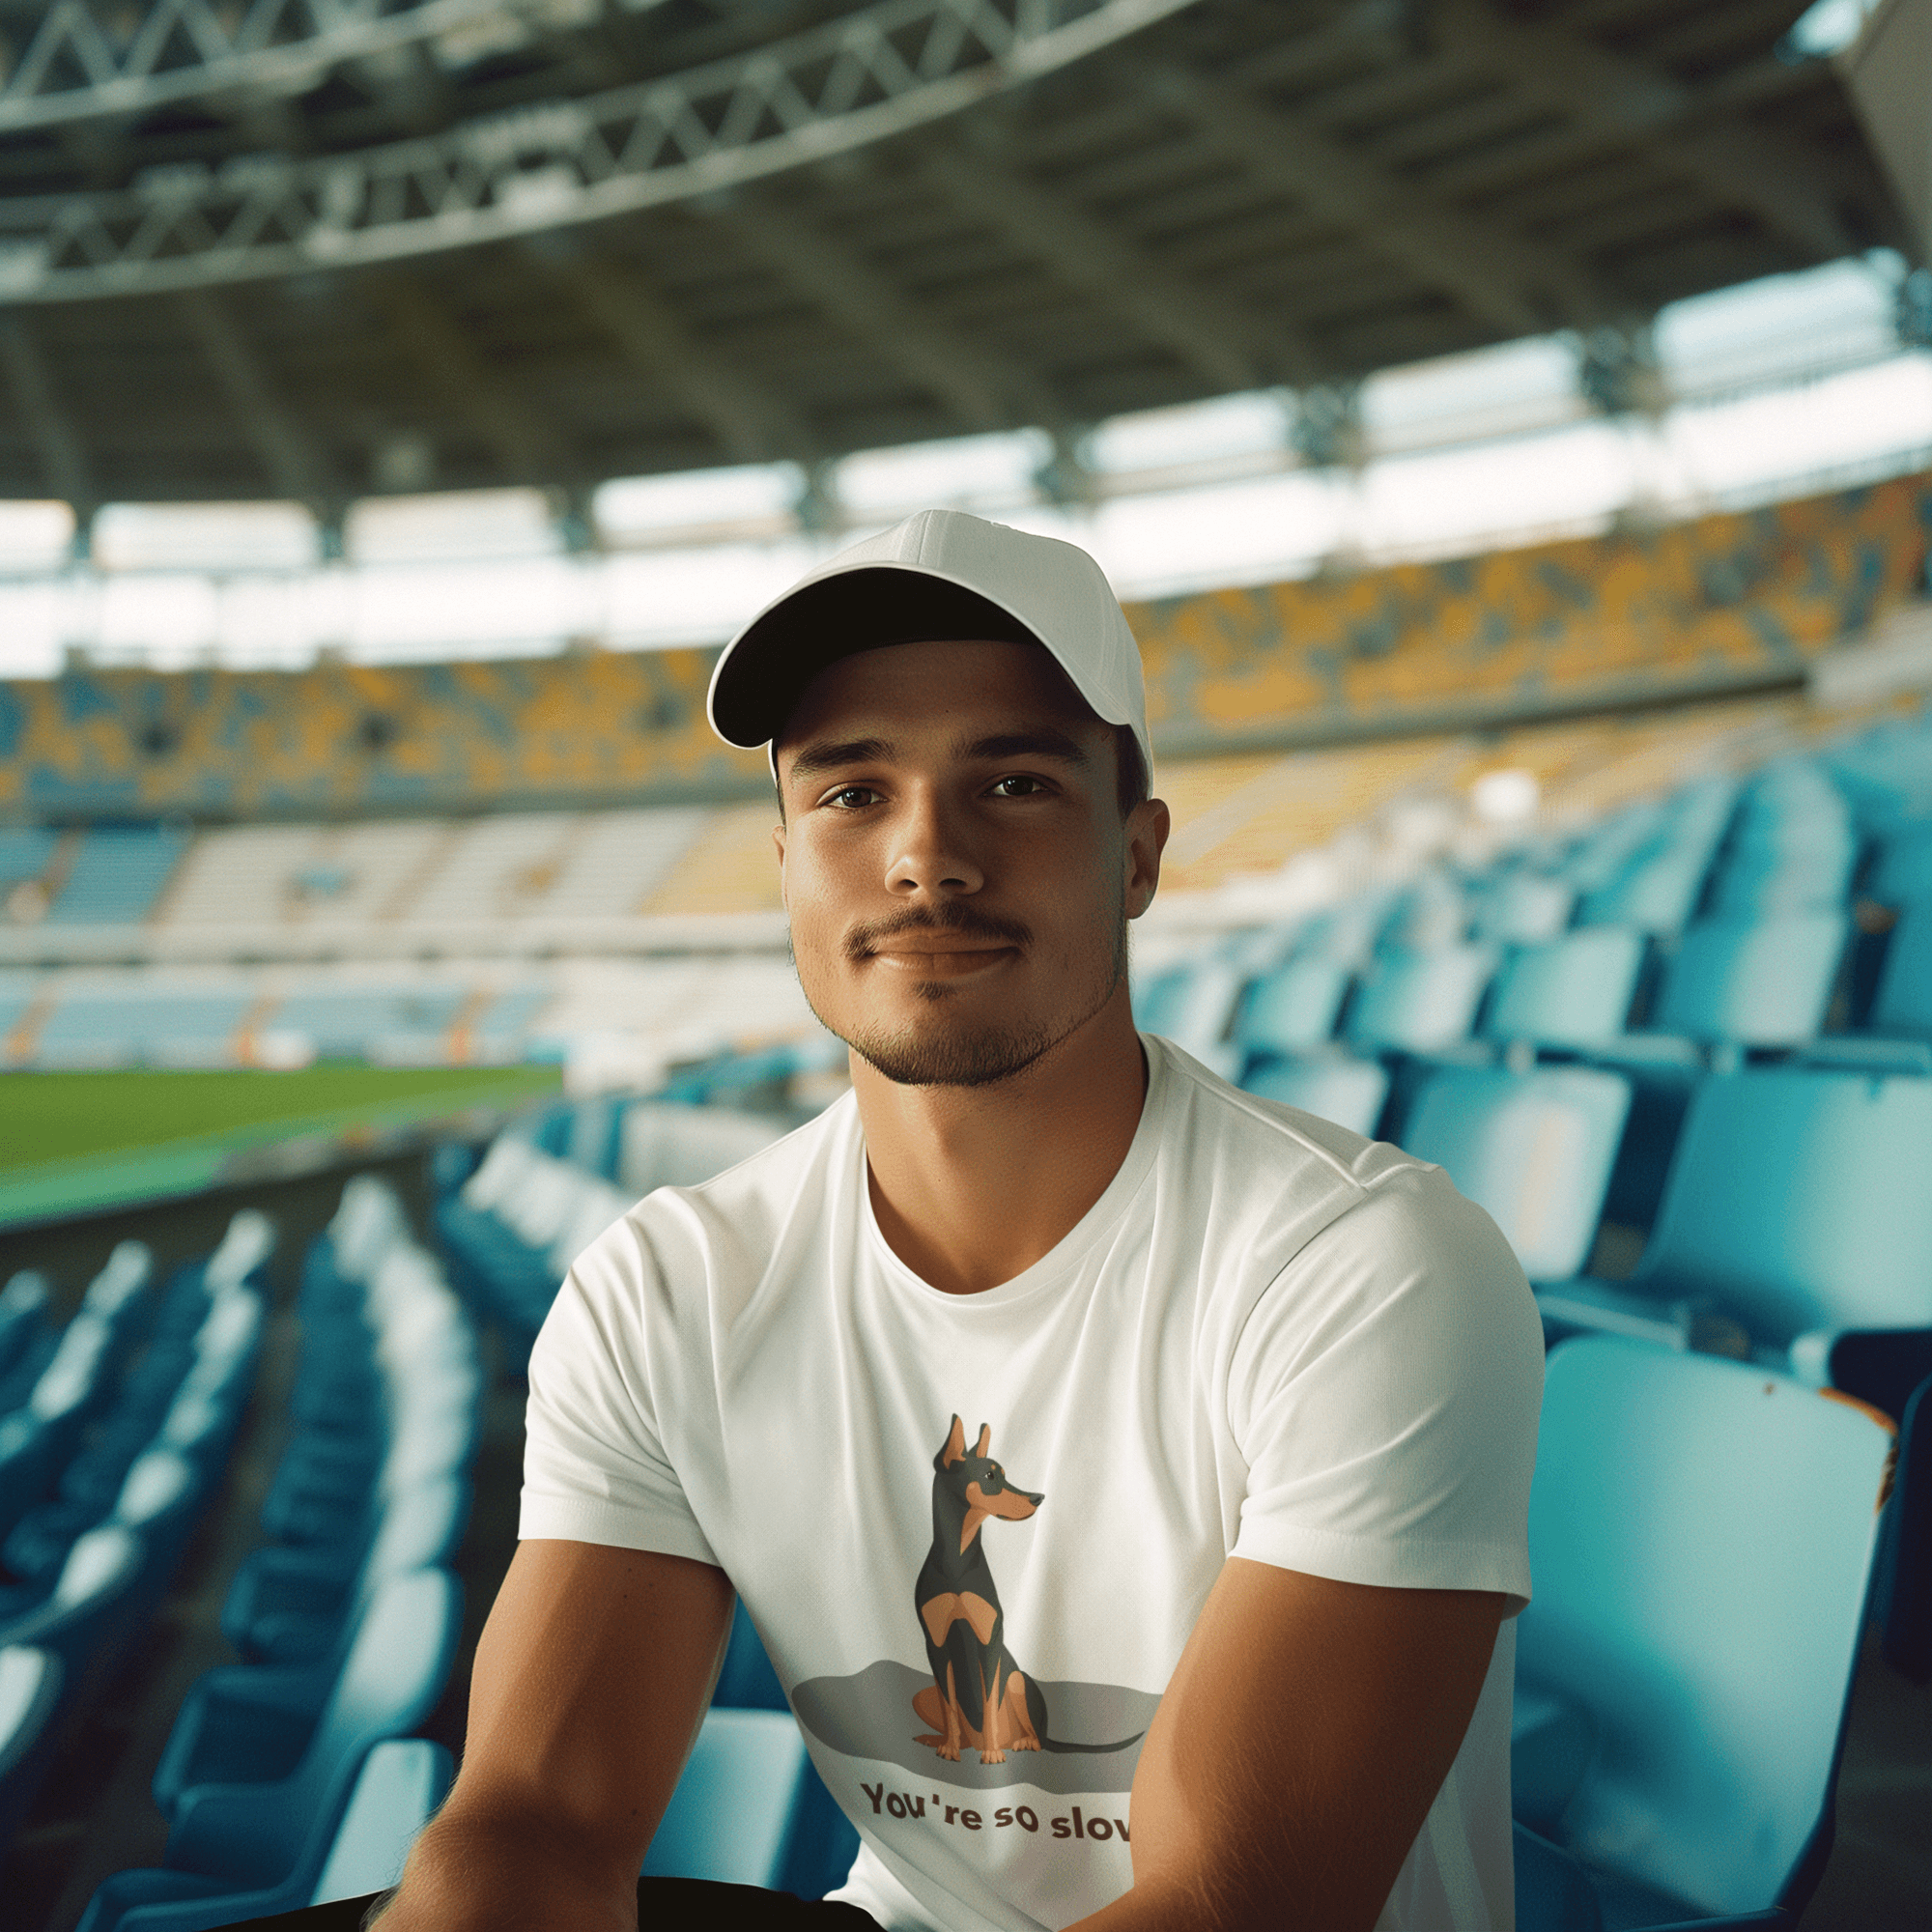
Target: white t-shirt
(1269,1338)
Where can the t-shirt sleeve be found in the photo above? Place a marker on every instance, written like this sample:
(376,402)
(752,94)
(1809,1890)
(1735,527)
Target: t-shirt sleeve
(595,1468)
(1384,1392)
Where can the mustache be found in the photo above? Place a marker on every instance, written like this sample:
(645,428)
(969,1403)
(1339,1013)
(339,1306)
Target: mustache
(864,940)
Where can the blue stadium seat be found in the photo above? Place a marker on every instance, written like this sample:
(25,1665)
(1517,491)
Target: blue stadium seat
(245,1850)
(731,1816)
(1350,1092)
(1676,1499)
(1194,1007)
(1902,872)
(1903,1004)
(1521,907)
(92,1605)
(401,1783)
(1421,1002)
(1797,1208)
(23,1315)
(291,1605)
(1534,1150)
(1764,982)
(1291,1009)
(31,1681)
(1573,990)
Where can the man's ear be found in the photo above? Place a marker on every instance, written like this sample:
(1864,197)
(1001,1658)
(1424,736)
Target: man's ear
(1147,827)
(778,839)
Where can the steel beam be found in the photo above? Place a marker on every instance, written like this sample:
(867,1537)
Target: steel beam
(883,70)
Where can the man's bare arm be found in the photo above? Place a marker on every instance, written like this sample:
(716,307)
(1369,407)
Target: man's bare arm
(591,1678)
(1296,1751)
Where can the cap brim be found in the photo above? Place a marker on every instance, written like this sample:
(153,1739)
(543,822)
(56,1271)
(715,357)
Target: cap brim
(764,670)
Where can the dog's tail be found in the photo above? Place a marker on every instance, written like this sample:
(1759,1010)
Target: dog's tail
(1048,1744)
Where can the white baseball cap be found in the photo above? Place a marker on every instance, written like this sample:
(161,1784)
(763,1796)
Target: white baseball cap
(939,575)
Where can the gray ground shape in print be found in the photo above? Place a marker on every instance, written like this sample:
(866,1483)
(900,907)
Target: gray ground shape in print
(871,1716)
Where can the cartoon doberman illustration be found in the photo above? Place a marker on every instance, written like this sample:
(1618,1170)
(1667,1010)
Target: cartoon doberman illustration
(979,1696)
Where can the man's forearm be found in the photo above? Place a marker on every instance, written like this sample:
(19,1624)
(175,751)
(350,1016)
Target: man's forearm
(473,1875)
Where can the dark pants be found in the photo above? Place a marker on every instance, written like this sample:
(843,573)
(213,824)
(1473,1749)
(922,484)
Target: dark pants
(672,1903)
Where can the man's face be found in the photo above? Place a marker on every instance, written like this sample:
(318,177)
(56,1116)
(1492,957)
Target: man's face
(953,859)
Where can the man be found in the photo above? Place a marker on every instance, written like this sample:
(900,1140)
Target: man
(1127,1477)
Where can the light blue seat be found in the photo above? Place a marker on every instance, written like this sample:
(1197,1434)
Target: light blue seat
(1291,1009)
(401,1783)
(290,1605)
(1798,1206)
(1764,982)
(1420,1002)
(92,1604)
(245,1850)
(1701,1536)
(23,1315)
(1903,1003)
(1658,893)
(1194,1007)
(31,1681)
(730,1817)
(1350,1092)
(1533,1150)
(1522,908)
(1903,872)
(1573,990)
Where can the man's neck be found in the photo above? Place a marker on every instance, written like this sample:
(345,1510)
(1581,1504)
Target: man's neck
(971,1185)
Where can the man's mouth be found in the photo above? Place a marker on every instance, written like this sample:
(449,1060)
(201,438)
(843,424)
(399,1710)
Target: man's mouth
(939,955)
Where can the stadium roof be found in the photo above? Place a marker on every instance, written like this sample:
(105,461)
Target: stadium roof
(314,249)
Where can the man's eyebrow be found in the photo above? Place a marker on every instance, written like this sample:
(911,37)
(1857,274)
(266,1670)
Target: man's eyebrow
(1040,741)
(830,754)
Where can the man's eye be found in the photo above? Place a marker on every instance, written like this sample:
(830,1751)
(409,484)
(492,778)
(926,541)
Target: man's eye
(849,798)
(1018,786)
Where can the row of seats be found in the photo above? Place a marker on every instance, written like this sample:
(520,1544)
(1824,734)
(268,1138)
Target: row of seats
(111,874)
(347,1615)
(111,1458)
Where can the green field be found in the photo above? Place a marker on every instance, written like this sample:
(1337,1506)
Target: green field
(66,1117)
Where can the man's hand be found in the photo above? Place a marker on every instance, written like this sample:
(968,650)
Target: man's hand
(591,1678)
(1305,1734)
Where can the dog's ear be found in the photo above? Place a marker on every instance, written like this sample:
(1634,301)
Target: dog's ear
(955,1447)
(985,1438)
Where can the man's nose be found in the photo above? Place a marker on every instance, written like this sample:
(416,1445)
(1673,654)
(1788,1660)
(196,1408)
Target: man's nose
(932,853)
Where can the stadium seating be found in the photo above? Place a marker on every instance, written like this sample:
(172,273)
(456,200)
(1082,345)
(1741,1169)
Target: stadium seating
(1756,982)
(401,1783)
(730,1817)
(1796,1207)
(1419,1001)
(245,1850)
(1350,1092)
(117,873)
(1573,990)
(31,1682)
(1676,1499)
(1533,1149)
(1903,1004)
(372,1485)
